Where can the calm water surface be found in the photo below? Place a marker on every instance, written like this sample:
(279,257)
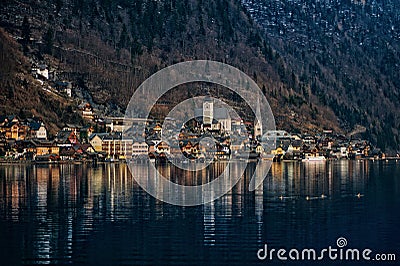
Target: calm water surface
(98,215)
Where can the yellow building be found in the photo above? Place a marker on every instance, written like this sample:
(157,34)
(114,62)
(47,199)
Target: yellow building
(259,149)
(45,148)
(96,140)
(278,151)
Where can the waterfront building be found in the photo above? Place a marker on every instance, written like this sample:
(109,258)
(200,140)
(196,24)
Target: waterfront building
(116,147)
(139,148)
(44,147)
(96,140)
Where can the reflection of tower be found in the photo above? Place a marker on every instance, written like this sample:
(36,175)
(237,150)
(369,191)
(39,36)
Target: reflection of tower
(209,224)
(258,123)
(208,111)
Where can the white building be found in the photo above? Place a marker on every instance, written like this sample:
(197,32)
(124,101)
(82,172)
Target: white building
(116,147)
(258,132)
(87,111)
(41,133)
(37,129)
(40,71)
(277,134)
(215,118)
(139,148)
(208,111)
(116,124)
(237,125)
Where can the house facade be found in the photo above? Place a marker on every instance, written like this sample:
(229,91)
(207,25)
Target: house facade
(214,118)
(116,147)
(139,148)
(41,148)
(96,140)
(87,111)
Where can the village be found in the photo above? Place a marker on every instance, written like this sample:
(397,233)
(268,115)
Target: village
(101,138)
(28,140)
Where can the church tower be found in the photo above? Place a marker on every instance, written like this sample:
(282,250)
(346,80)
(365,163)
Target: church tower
(258,124)
(208,111)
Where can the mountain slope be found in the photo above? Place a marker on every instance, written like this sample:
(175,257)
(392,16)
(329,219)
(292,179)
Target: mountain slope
(106,48)
(22,95)
(111,47)
(349,54)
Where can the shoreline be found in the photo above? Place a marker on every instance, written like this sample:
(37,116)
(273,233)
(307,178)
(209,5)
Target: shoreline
(28,162)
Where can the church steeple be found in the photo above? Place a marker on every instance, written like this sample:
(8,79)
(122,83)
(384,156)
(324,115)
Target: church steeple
(208,111)
(257,123)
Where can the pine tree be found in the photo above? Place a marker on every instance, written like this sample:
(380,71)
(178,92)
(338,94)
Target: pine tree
(49,40)
(26,33)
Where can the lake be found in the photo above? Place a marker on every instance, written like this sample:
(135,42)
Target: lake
(98,215)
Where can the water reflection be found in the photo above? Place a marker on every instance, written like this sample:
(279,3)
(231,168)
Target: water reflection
(99,215)
(318,180)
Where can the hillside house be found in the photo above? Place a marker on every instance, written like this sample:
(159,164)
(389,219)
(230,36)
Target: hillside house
(40,72)
(66,138)
(37,129)
(86,111)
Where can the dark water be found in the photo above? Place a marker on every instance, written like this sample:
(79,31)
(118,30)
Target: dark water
(80,214)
